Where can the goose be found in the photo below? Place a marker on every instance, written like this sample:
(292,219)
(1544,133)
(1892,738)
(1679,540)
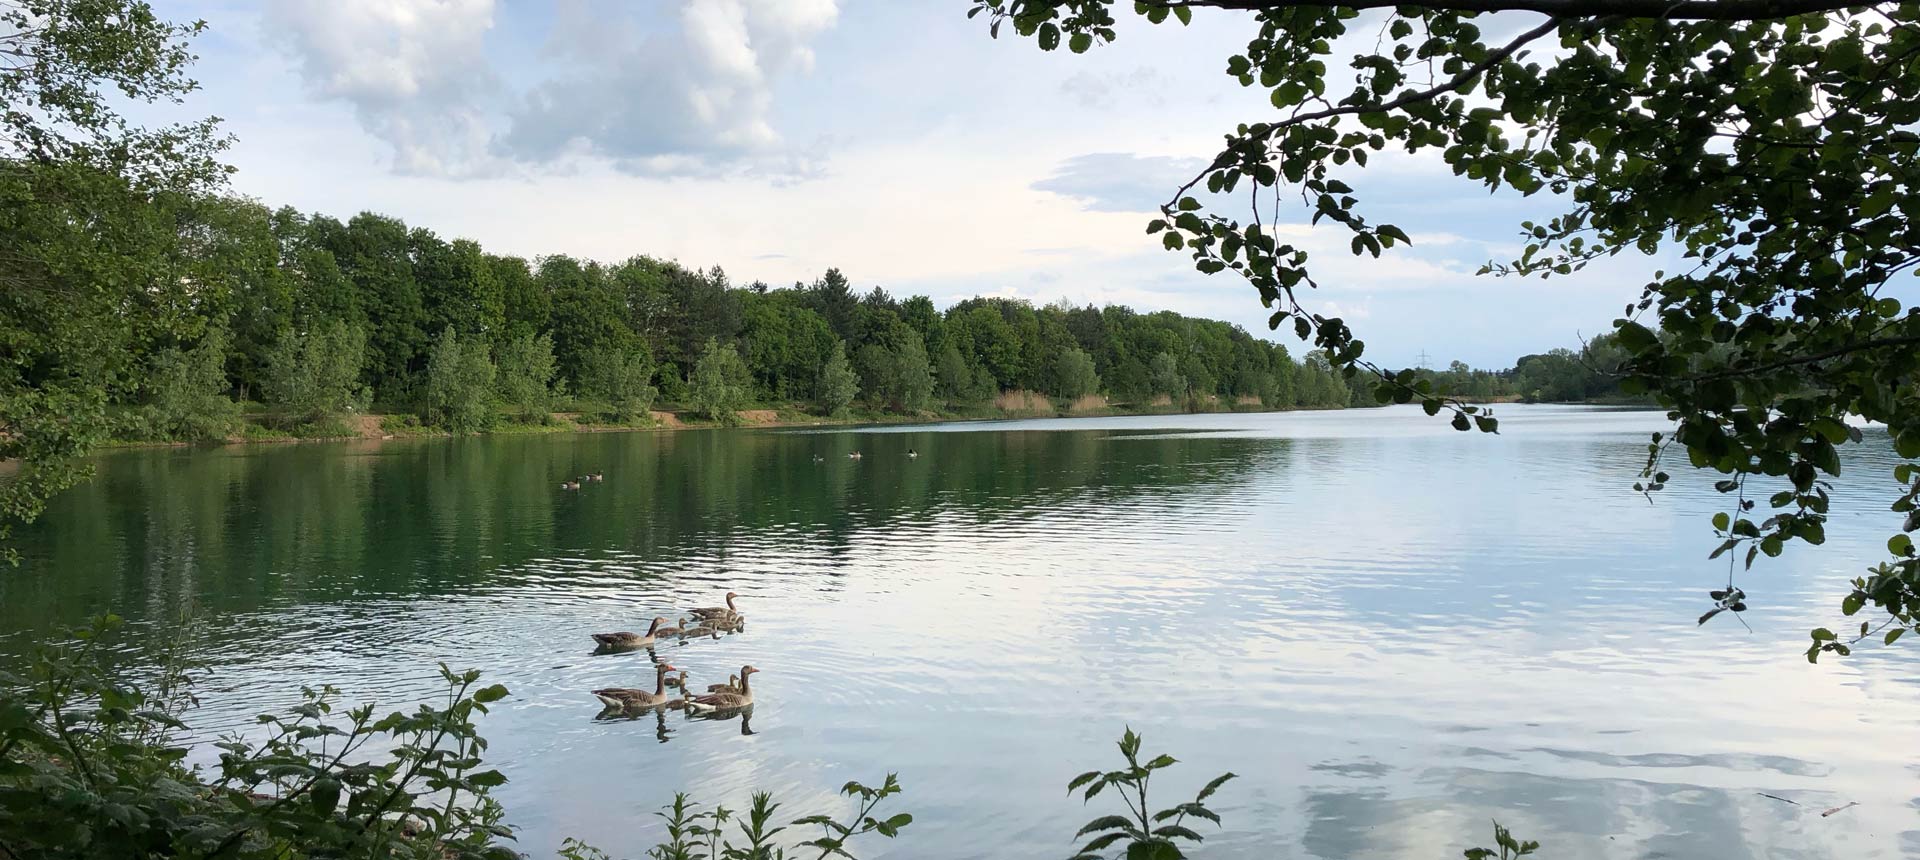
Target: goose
(912,454)
(597,476)
(726,701)
(701,632)
(629,699)
(626,639)
(569,485)
(710,614)
(819,459)
(853,455)
(679,628)
(731,686)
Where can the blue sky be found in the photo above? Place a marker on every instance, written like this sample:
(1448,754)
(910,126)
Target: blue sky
(890,138)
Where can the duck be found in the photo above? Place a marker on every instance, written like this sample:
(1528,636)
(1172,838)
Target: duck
(628,699)
(627,639)
(710,614)
(726,701)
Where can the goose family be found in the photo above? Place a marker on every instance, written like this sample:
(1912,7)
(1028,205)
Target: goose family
(628,699)
(734,695)
(726,701)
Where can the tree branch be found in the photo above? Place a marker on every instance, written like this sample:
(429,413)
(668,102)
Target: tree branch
(1836,352)
(1457,82)
(1674,10)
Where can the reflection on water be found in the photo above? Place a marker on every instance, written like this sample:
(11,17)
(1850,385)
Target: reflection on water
(1394,632)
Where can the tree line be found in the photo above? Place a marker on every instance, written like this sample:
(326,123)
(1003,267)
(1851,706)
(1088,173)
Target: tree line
(311,317)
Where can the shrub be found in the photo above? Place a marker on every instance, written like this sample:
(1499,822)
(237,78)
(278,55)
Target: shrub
(186,393)
(1073,374)
(315,375)
(459,392)
(618,379)
(526,370)
(720,383)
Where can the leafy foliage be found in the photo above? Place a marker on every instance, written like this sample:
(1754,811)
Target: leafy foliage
(1147,834)
(1771,144)
(838,385)
(1073,374)
(719,384)
(526,375)
(187,392)
(618,378)
(460,391)
(92,766)
(316,375)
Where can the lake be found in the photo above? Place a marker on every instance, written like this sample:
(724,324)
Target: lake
(1394,632)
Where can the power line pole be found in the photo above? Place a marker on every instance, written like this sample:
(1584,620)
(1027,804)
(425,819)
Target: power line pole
(1423,359)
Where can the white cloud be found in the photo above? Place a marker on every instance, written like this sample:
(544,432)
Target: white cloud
(694,99)
(415,72)
(1120,181)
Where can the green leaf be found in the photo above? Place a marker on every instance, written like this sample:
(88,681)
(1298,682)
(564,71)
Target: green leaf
(1899,545)
(1634,337)
(1080,42)
(1105,822)
(1081,780)
(1822,634)
(1894,634)
(1214,786)
(1158,849)
(1049,36)
(491,694)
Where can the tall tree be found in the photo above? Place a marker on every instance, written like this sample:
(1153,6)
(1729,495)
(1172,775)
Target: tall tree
(86,226)
(1771,142)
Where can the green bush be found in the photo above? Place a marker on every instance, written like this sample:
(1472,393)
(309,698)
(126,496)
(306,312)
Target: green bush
(618,379)
(186,393)
(527,369)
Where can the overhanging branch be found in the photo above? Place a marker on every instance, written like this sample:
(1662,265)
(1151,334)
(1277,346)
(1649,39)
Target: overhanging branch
(1696,10)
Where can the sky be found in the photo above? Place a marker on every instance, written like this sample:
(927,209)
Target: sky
(893,139)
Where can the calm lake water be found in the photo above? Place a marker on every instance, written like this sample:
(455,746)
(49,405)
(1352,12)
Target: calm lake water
(1395,632)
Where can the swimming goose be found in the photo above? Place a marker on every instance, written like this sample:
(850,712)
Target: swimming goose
(629,699)
(627,639)
(569,485)
(596,477)
(731,686)
(911,454)
(726,701)
(853,455)
(679,628)
(710,614)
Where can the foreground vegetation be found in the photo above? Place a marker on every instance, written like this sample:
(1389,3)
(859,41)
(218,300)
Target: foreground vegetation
(95,764)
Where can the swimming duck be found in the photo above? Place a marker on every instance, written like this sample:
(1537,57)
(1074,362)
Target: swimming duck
(726,701)
(628,699)
(626,639)
(710,614)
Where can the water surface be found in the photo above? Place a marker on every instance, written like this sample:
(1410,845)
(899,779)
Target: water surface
(1394,632)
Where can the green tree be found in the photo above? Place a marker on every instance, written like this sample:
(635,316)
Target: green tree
(838,384)
(316,375)
(1073,374)
(720,383)
(459,391)
(1772,143)
(954,379)
(913,374)
(87,223)
(620,379)
(1166,378)
(527,369)
(187,392)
